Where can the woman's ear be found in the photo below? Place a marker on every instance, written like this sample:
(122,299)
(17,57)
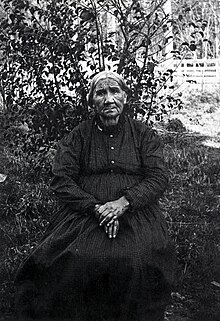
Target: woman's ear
(125,97)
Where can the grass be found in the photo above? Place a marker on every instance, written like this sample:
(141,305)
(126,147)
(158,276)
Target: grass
(191,205)
(192,208)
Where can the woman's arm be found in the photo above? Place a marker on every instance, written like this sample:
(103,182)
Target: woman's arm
(154,172)
(148,190)
(66,169)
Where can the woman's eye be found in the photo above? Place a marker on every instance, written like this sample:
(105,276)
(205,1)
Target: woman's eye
(100,93)
(115,91)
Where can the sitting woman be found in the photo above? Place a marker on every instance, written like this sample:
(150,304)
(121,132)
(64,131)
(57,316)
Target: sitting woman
(107,254)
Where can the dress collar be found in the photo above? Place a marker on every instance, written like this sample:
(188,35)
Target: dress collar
(114,129)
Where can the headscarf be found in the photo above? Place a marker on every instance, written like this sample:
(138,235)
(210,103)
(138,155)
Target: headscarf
(103,75)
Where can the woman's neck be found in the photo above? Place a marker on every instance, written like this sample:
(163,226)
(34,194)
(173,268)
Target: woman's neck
(110,121)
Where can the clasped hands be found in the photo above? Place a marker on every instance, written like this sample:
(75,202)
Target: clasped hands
(109,213)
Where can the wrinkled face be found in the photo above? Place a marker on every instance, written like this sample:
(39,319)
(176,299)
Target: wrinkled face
(108,98)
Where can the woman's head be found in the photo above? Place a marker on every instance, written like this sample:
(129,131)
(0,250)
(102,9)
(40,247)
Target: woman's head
(108,94)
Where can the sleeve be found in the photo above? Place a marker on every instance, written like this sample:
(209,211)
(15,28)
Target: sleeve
(66,170)
(155,178)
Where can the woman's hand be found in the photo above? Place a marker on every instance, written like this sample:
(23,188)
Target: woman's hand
(112,229)
(97,215)
(111,211)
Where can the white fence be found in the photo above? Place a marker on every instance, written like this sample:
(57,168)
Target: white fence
(200,71)
(194,73)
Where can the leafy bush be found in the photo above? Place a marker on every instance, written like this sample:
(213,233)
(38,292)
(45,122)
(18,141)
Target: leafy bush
(175,125)
(50,49)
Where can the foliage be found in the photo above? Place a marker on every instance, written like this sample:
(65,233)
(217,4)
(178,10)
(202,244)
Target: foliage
(199,27)
(50,49)
(175,125)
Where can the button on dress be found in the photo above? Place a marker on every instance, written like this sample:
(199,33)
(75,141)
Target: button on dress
(78,273)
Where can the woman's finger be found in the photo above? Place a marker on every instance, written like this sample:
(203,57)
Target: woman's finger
(115,228)
(112,220)
(104,207)
(103,215)
(107,219)
(110,231)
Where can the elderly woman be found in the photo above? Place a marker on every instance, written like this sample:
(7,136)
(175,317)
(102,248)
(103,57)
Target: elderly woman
(107,254)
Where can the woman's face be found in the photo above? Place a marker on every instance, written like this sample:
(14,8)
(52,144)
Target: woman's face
(108,98)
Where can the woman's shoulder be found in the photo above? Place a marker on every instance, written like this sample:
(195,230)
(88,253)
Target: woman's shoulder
(78,132)
(145,135)
(141,127)
(83,126)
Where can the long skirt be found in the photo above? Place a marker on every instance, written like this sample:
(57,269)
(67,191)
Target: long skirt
(78,274)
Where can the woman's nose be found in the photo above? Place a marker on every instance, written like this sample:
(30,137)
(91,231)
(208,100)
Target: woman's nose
(109,98)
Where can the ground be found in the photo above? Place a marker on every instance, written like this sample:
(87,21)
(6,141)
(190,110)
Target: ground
(201,118)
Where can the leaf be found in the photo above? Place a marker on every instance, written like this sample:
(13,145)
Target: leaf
(86,15)
(201,33)
(187,9)
(2,178)
(215,283)
(167,39)
(91,50)
(192,47)
(192,24)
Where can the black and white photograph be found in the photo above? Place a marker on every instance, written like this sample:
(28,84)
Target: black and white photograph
(109,160)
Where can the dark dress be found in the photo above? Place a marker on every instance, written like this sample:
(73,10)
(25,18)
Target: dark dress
(77,273)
